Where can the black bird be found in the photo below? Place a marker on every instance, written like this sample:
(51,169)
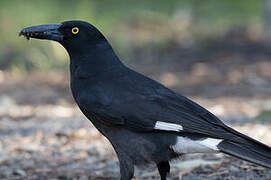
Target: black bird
(144,121)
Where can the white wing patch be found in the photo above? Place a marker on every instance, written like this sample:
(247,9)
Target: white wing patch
(185,145)
(168,126)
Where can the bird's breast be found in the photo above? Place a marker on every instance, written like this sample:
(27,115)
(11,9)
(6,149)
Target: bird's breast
(90,96)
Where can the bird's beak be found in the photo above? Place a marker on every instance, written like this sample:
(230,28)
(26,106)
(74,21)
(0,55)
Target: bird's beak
(46,31)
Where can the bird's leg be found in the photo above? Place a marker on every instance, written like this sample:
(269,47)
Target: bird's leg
(126,166)
(126,169)
(163,168)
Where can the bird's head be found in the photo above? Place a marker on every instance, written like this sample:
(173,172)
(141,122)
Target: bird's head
(84,43)
(71,34)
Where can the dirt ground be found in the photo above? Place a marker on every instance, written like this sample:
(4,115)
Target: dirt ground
(43,135)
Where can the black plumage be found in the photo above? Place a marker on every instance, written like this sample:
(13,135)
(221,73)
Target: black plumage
(144,121)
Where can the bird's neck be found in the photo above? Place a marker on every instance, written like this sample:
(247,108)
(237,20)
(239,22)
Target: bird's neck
(94,58)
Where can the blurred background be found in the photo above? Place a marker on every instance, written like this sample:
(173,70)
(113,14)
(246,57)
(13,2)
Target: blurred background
(215,52)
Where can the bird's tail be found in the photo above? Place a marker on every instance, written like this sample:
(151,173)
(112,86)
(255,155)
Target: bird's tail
(249,150)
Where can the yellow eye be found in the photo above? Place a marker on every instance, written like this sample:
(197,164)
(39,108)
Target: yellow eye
(75,30)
